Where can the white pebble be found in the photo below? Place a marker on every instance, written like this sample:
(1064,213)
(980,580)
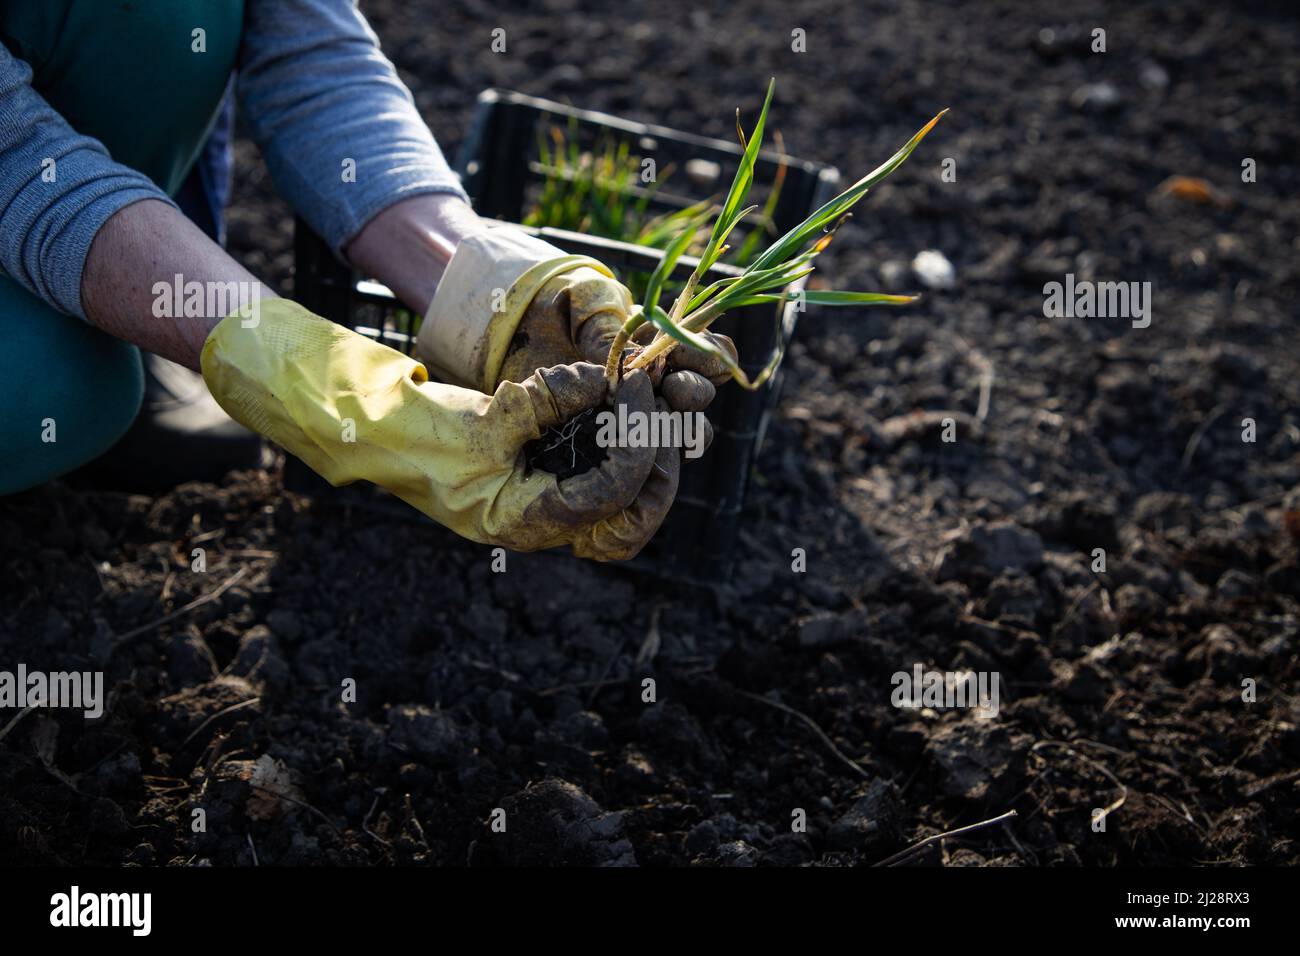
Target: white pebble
(933,270)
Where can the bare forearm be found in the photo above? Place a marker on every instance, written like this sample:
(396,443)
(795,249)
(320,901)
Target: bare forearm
(408,245)
(148,259)
(129,287)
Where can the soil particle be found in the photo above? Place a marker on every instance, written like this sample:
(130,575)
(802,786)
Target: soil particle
(189,659)
(259,660)
(829,629)
(433,736)
(735,853)
(989,549)
(873,824)
(555,823)
(977,759)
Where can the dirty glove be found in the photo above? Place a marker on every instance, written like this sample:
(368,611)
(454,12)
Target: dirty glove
(353,409)
(510,303)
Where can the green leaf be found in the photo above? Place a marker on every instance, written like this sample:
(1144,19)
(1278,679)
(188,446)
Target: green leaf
(750,246)
(663,227)
(739,187)
(837,207)
(700,341)
(666,265)
(726,232)
(821,297)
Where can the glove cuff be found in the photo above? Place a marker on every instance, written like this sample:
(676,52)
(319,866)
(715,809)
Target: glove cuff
(293,377)
(491,280)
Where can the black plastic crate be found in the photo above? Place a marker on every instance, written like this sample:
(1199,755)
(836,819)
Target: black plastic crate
(499,160)
(499,165)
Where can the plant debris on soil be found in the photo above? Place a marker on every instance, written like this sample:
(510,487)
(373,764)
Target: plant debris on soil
(1160,692)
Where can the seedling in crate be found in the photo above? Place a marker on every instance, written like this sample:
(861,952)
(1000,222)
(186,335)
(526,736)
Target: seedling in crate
(601,193)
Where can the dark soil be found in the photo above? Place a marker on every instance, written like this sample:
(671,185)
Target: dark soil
(569,450)
(524,691)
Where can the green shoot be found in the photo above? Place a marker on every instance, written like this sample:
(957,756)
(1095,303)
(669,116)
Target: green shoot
(601,193)
(766,279)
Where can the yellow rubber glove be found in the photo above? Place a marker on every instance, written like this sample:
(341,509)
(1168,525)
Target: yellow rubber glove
(353,409)
(510,303)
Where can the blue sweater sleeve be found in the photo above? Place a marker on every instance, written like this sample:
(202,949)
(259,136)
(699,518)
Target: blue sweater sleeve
(57,188)
(339,130)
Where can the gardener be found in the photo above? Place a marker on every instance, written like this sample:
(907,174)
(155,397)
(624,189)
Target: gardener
(114,131)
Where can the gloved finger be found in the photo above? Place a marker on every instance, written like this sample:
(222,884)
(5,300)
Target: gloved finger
(621,536)
(592,293)
(614,483)
(687,391)
(598,307)
(562,391)
(707,442)
(595,336)
(705,364)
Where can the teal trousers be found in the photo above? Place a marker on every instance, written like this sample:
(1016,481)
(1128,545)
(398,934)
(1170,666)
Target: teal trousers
(114,71)
(69,391)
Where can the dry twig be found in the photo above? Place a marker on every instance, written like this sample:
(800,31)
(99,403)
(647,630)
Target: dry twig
(916,848)
(857,767)
(199,601)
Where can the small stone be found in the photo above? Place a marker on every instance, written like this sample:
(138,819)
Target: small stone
(933,270)
(1153,76)
(1096,98)
(703,173)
